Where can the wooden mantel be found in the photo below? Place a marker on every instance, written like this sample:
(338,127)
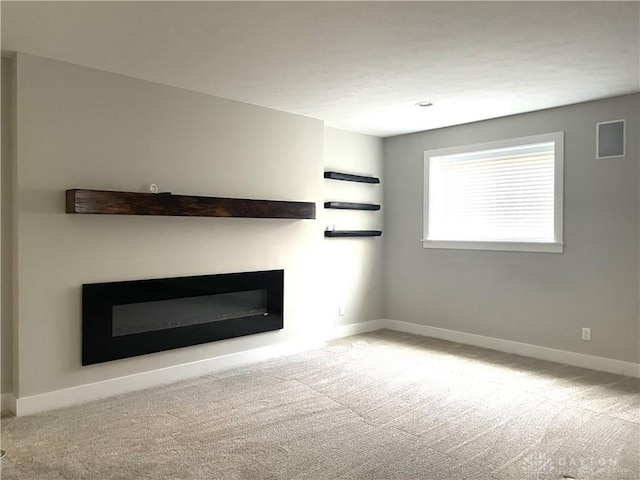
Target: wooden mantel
(132,203)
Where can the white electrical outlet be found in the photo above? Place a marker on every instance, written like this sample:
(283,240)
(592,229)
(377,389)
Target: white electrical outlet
(342,310)
(586,334)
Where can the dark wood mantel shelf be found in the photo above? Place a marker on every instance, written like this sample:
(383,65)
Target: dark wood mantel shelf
(133,203)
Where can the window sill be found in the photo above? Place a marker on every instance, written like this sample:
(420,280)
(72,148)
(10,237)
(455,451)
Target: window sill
(546,247)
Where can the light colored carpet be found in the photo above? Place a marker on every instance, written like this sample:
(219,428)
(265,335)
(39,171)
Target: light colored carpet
(383,405)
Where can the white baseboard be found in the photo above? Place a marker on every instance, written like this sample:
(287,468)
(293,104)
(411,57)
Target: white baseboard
(356,328)
(7,402)
(139,381)
(116,386)
(94,391)
(602,364)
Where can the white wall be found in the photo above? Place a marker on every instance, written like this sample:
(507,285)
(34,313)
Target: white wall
(83,128)
(353,266)
(536,298)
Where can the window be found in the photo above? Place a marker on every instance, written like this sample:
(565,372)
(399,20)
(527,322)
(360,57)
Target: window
(504,195)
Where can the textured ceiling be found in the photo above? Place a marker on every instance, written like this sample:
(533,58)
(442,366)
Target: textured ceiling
(359,66)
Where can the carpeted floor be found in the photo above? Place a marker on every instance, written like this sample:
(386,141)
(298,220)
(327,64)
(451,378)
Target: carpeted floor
(383,405)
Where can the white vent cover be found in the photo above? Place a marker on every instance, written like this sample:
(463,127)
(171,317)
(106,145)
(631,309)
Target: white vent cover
(610,139)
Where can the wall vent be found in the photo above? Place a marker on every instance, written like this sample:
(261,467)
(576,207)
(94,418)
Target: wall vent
(611,139)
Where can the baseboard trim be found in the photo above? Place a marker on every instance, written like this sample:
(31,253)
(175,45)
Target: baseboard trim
(602,364)
(356,328)
(139,381)
(7,402)
(116,386)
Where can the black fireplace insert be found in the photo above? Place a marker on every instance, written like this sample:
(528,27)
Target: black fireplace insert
(125,319)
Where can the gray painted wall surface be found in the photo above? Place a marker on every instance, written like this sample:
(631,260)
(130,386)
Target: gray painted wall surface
(114,132)
(6,330)
(537,298)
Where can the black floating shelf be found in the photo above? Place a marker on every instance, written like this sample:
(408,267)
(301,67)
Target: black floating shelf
(351,178)
(352,233)
(351,206)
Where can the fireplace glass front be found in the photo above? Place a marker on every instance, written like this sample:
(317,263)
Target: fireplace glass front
(124,319)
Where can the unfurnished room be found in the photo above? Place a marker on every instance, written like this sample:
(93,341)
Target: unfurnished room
(320,240)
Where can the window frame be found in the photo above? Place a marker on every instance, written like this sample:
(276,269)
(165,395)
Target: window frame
(556,246)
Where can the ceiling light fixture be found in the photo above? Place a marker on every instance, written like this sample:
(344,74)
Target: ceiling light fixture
(426,103)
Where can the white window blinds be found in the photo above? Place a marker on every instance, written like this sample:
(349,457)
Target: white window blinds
(503,195)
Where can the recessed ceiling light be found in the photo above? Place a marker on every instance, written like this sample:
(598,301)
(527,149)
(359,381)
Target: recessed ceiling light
(426,103)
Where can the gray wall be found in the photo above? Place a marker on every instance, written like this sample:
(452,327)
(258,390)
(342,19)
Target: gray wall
(537,298)
(91,129)
(6,331)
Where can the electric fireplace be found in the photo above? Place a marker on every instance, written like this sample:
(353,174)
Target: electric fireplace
(129,318)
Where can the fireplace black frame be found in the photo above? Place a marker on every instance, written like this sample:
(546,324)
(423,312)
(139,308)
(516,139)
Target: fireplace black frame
(98,299)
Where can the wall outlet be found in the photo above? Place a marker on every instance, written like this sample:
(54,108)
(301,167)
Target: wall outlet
(586,334)
(342,310)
